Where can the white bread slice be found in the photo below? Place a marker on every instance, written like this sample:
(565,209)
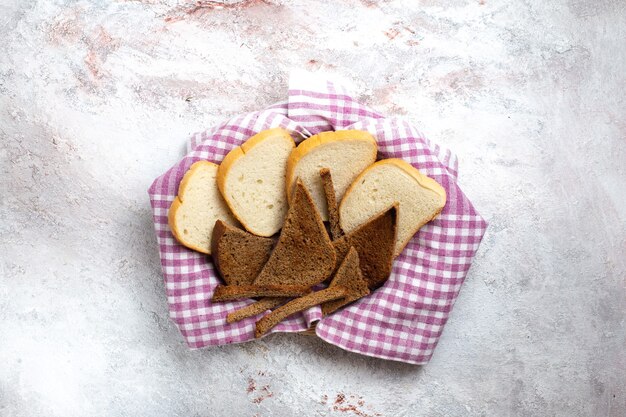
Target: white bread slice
(252,181)
(420,198)
(346,153)
(198,205)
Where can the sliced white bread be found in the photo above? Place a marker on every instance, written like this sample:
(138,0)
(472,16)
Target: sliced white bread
(345,153)
(252,181)
(419,198)
(198,205)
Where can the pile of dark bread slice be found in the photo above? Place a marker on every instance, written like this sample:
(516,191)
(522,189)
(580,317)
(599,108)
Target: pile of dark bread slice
(303,257)
(308,263)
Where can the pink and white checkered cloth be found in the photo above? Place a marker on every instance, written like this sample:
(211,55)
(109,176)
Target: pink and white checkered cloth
(402,320)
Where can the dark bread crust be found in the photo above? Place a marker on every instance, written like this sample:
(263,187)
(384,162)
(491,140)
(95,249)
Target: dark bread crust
(374,242)
(238,255)
(348,275)
(304,254)
(331,201)
(297,305)
(253,309)
(237,292)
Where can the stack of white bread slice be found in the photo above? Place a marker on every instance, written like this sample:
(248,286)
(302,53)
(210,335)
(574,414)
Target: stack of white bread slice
(268,186)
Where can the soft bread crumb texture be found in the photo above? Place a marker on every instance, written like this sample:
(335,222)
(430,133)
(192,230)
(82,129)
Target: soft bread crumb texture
(384,184)
(254,183)
(345,158)
(198,205)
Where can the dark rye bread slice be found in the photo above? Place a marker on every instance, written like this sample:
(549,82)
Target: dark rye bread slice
(237,292)
(238,255)
(331,202)
(348,275)
(374,241)
(255,308)
(297,305)
(304,254)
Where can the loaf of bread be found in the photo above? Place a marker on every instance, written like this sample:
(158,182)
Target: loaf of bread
(387,182)
(252,180)
(199,204)
(345,153)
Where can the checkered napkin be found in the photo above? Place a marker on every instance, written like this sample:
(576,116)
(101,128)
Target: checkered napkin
(402,320)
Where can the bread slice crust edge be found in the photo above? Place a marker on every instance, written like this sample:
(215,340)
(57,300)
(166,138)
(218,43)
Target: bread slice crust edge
(178,202)
(320,139)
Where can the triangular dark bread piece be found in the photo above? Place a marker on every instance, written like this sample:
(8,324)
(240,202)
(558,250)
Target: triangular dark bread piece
(297,305)
(238,255)
(255,308)
(348,275)
(304,254)
(331,202)
(237,292)
(374,241)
